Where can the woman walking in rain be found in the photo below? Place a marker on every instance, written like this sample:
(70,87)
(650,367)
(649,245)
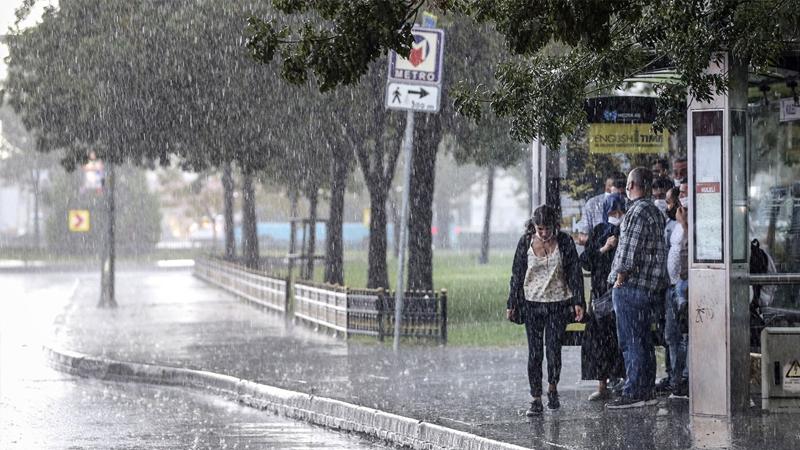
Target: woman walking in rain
(546,292)
(601,358)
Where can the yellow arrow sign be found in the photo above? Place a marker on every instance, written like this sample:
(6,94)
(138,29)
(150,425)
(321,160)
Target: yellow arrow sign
(79,220)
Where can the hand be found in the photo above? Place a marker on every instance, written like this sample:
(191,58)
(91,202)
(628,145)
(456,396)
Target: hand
(578,313)
(508,314)
(611,242)
(620,280)
(682,216)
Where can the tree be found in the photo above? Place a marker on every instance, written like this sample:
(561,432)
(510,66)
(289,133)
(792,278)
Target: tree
(23,165)
(542,92)
(491,147)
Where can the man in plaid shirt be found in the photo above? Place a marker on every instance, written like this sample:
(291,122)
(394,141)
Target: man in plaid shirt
(638,272)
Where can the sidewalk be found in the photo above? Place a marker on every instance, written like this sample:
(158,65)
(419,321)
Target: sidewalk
(170,318)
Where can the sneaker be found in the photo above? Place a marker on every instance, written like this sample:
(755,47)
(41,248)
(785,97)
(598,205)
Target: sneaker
(605,394)
(552,400)
(535,409)
(626,402)
(680,393)
(616,386)
(663,386)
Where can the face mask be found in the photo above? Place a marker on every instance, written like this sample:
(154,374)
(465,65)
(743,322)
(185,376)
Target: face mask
(661,204)
(614,220)
(685,202)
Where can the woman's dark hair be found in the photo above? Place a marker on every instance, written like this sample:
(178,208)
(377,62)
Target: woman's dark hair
(543,216)
(675,193)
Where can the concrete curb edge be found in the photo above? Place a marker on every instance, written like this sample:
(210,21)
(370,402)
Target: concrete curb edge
(329,413)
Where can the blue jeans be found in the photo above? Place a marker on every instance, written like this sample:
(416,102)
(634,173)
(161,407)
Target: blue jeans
(677,340)
(634,308)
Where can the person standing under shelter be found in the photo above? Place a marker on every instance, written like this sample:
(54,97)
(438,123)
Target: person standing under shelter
(545,294)
(592,212)
(601,358)
(638,271)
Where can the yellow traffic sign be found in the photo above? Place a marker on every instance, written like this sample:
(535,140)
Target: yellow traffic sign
(79,220)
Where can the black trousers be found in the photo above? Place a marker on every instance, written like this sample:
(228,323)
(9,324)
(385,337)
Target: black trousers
(545,325)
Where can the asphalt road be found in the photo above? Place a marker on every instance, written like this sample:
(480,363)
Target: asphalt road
(42,408)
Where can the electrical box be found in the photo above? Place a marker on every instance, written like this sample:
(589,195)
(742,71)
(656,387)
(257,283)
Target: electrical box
(780,369)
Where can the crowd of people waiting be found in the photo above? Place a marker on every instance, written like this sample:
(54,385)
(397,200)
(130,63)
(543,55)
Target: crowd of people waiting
(634,238)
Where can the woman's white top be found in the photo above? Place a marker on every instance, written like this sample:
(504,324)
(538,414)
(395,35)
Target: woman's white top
(544,280)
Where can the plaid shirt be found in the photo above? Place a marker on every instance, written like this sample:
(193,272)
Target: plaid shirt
(642,251)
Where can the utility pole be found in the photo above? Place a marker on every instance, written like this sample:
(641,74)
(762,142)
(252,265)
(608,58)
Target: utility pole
(408,150)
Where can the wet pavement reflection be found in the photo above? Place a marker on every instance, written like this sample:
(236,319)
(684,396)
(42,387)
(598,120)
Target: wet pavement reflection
(42,408)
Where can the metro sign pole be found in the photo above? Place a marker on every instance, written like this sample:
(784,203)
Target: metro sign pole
(414,84)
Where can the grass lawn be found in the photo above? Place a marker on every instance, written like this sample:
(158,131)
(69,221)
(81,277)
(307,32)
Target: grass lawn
(476,294)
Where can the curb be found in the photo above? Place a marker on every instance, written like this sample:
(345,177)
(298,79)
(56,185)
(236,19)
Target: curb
(329,413)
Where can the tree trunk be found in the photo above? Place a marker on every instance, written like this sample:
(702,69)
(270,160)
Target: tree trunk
(228,187)
(249,221)
(423,170)
(334,251)
(107,277)
(37,239)
(377,271)
(529,180)
(443,220)
(487,218)
(313,196)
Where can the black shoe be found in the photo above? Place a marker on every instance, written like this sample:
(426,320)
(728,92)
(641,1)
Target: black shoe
(626,402)
(663,386)
(552,400)
(680,393)
(536,408)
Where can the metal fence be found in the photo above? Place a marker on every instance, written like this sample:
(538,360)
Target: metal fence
(250,285)
(371,312)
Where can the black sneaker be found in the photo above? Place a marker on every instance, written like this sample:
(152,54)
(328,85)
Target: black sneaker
(536,408)
(626,402)
(680,393)
(552,400)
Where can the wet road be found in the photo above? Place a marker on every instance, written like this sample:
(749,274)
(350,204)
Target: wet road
(42,408)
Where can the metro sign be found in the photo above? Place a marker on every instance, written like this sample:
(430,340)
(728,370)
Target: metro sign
(78,220)
(424,62)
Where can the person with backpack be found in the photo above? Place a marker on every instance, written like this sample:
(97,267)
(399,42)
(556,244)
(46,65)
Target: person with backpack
(545,294)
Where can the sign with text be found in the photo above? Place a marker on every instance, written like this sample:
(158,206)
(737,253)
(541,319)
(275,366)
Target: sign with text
(78,220)
(412,97)
(790,110)
(627,138)
(424,62)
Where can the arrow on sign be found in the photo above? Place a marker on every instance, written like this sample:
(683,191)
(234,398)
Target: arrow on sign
(421,92)
(77,221)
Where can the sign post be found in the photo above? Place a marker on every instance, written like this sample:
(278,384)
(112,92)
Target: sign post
(414,84)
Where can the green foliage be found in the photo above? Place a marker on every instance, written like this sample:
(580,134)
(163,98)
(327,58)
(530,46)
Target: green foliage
(138,218)
(541,92)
